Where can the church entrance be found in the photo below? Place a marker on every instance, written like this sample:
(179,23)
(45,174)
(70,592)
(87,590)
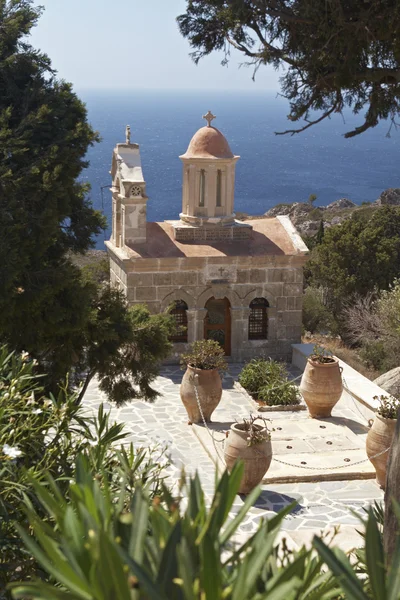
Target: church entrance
(217,323)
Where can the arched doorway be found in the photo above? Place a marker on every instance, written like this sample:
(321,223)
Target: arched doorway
(217,323)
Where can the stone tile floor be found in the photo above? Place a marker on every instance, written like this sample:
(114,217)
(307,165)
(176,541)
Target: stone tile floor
(320,505)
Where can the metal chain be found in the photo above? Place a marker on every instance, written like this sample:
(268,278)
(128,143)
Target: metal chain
(196,393)
(358,462)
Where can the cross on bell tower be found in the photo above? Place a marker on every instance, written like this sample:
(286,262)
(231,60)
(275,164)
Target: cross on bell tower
(209,117)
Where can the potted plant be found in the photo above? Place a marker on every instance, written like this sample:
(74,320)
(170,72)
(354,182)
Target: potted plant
(321,384)
(250,442)
(380,436)
(201,387)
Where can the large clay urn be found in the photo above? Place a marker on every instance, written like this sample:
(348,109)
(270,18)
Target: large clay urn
(379,438)
(209,390)
(257,458)
(321,387)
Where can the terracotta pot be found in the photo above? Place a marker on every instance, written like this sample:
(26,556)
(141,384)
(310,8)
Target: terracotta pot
(321,387)
(380,437)
(209,389)
(257,459)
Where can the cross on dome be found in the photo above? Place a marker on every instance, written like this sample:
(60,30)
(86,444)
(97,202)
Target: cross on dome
(128,134)
(209,117)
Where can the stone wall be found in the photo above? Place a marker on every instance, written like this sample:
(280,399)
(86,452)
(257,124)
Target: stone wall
(279,279)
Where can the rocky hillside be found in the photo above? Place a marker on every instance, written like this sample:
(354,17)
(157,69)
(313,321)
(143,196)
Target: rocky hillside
(307,218)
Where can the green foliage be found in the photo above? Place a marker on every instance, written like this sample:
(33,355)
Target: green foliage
(311,241)
(94,549)
(388,406)
(256,433)
(388,308)
(65,317)
(320,233)
(376,581)
(373,354)
(44,210)
(321,355)
(311,199)
(40,437)
(267,380)
(130,344)
(332,54)
(279,393)
(372,322)
(357,257)
(165,549)
(316,316)
(314,214)
(205,354)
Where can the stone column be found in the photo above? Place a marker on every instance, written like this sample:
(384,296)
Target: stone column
(240,328)
(198,323)
(211,190)
(192,325)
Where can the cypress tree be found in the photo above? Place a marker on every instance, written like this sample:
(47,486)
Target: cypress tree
(47,307)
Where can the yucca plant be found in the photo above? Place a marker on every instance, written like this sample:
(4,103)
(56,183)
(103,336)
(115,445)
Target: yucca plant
(42,436)
(164,549)
(377,581)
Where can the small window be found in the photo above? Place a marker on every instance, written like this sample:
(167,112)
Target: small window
(219,188)
(258,319)
(179,309)
(202,187)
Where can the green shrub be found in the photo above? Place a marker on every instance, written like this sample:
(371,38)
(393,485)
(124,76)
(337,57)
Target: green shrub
(279,394)
(373,353)
(267,380)
(316,316)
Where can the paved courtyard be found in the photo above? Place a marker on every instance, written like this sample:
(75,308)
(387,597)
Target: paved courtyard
(322,505)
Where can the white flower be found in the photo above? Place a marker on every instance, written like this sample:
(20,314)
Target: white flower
(11,452)
(24,355)
(37,411)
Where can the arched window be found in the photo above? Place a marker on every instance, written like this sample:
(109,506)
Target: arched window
(202,187)
(258,319)
(219,188)
(178,309)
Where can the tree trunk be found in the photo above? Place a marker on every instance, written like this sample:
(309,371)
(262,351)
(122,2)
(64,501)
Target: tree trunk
(391,528)
(88,379)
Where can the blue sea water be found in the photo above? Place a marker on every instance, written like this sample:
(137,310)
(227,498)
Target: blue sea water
(272,169)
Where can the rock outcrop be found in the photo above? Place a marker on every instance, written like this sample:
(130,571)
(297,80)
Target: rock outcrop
(389,197)
(390,381)
(339,204)
(307,218)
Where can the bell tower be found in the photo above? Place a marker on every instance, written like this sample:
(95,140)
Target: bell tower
(208,189)
(208,178)
(129,199)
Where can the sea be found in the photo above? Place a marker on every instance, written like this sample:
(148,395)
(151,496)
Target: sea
(272,168)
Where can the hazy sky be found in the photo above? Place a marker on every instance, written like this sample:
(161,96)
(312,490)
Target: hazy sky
(133,44)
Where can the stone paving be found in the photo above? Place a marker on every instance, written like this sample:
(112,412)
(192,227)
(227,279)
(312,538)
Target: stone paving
(320,506)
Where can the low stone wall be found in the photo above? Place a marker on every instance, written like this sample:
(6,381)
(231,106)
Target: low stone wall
(357,387)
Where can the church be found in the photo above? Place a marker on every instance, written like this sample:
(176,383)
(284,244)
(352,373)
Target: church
(239,282)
